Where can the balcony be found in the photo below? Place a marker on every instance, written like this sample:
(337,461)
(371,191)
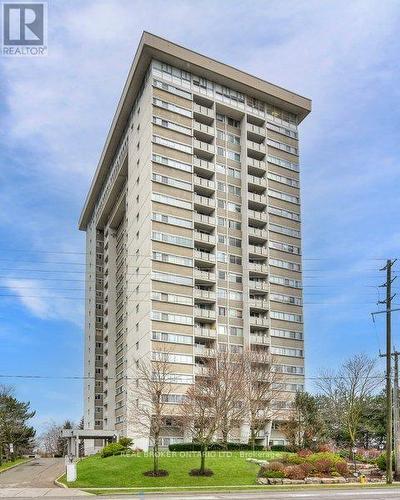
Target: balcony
(207,333)
(257,167)
(203,204)
(204,257)
(258,250)
(255,133)
(258,285)
(205,295)
(204,221)
(203,186)
(203,111)
(259,321)
(257,267)
(203,166)
(201,371)
(259,339)
(208,240)
(204,313)
(256,150)
(258,304)
(257,200)
(257,217)
(204,276)
(255,232)
(257,184)
(203,149)
(203,131)
(201,350)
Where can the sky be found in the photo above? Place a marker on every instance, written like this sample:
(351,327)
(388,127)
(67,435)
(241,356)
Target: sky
(55,112)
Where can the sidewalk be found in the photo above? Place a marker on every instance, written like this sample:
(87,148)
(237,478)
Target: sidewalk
(40,492)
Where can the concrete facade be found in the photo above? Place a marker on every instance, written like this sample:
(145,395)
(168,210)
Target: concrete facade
(193,230)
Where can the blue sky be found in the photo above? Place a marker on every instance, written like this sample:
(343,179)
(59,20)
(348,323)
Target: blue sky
(55,112)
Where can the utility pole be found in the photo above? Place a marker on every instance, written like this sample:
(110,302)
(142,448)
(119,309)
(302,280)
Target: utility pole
(396,416)
(388,355)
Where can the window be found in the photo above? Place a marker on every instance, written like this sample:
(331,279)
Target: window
(170,200)
(174,221)
(172,298)
(171,278)
(236,331)
(179,165)
(221,311)
(222,330)
(285,299)
(285,230)
(285,351)
(286,334)
(170,181)
(172,337)
(172,144)
(235,313)
(234,207)
(284,316)
(235,190)
(284,247)
(283,163)
(173,259)
(284,196)
(282,146)
(221,186)
(222,275)
(172,239)
(234,224)
(282,280)
(173,398)
(231,155)
(284,180)
(171,317)
(172,89)
(221,221)
(232,172)
(284,264)
(221,293)
(233,295)
(294,370)
(282,130)
(222,239)
(172,357)
(221,257)
(171,125)
(221,203)
(280,212)
(171,107)
(235,242)
(235,259)
(235,278)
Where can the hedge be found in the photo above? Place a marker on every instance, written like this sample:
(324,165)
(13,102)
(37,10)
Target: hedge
(214,447)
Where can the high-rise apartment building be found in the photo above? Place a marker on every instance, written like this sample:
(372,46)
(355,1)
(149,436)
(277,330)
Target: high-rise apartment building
(193,230)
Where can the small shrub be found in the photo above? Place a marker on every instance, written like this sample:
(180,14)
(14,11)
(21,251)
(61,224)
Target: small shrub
(275,466)
(214,447)
(324,466)
(326,448)
(307,468)
(125,442)
(294,459)
(112,449)
(342,468)
(381,461)
(334,457)
(295,472)
(304,453)
(198,472)
(159,473)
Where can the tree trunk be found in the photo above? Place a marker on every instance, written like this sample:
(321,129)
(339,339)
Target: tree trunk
(225,433)
(155,454)
(203,451)
(252,439)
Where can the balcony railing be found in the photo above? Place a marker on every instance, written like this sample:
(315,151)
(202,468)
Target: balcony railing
(258,198)
(204,275)
(256,146)
(203,110)
(260,164)
(255,129)
(255,214)
(203,146)
(201,350)
(258,181)
(257,321)
(205,238)
(200,181)
(204,219)
(203,200)
(258,285)
(203,164)
(260,233)
(205,332)
(257,267)
(259,339)
(204,294)
(204,313)
(199,255)
(205,129)
(258,303)
(258,250)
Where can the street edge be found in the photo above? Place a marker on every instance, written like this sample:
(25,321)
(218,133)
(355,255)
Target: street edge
(17,465)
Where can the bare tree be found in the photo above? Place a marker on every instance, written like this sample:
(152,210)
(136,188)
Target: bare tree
(226,371)
(200,414)
(263,390)
(50,439)
(150,408)
(347,392)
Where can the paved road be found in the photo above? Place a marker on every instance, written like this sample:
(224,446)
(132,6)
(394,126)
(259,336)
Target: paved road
(39,473)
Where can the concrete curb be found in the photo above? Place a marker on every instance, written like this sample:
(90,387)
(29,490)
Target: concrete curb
(58,483)
(17,465)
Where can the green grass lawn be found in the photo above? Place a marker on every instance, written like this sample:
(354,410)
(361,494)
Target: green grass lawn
(17,461)
(230,469)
